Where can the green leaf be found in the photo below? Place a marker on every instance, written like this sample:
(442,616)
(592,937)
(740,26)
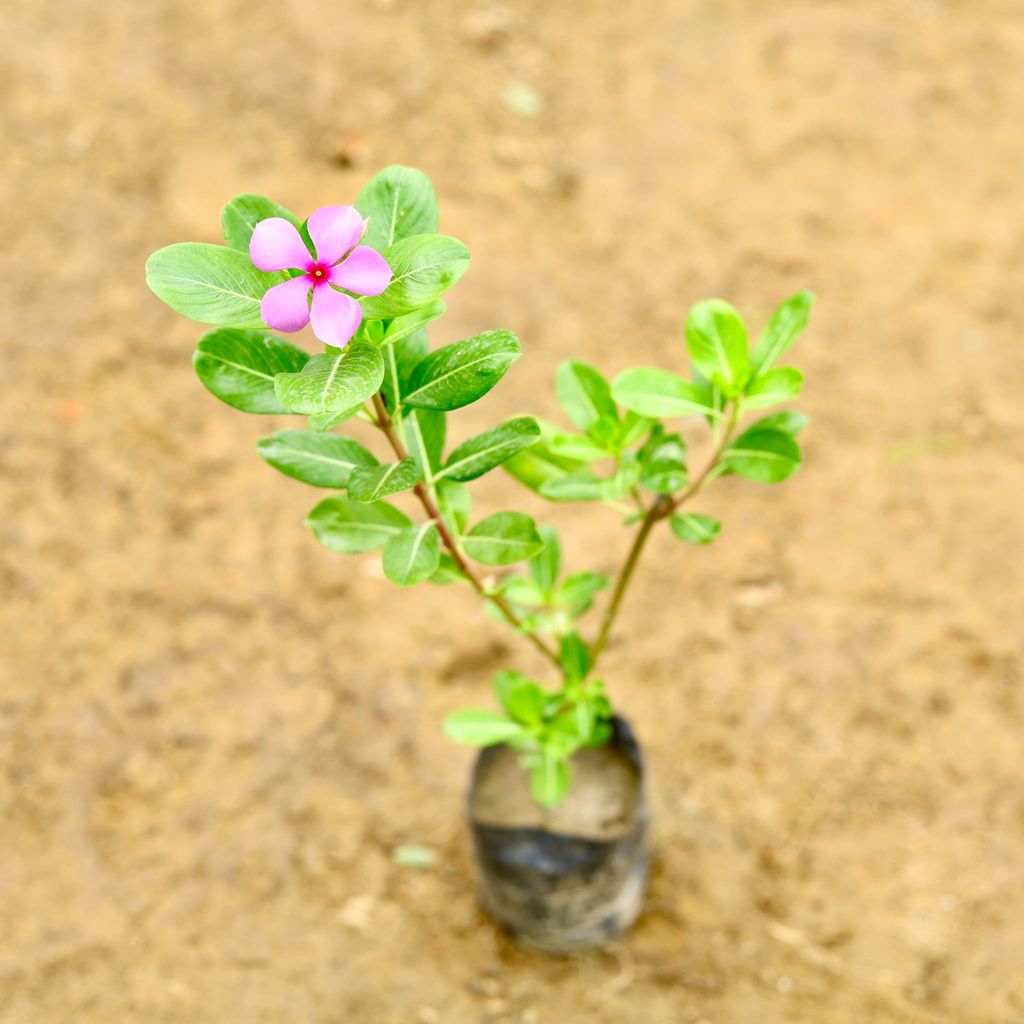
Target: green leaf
(694,527)
(479,454)
(594,716)
(584,394)
(601,732)
(404,326)
(550,780)
(653,392)
(371,483)
(333,382)
(523,591)
(766,456)
(371,331)
(623,480)
(244,212)
(413,555)
(506,681)
(574,657)
(583,713)
(426,429)
(785,326)
(447,571)
(323,460)
(454,502)
(547,563)
(523,699)
(576,447)
(711,395)
(717,340)
(578,591)
(404,346)
(604,431)
(351,527)
(400,202)
(565,733)
(665,477)
(321,421)
(534,468)
(630,430)
(503,538)
(663,445)
(423,268)
(401,357)
(480,728)
(581,485)
(458,374)
(239,367)
(789,421)
(664,463)
(536,465)
(773,386)
(210,283)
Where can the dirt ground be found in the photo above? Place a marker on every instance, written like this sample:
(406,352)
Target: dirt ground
(214,734)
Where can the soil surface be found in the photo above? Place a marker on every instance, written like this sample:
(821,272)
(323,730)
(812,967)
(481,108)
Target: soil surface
(601,805)
(214,735)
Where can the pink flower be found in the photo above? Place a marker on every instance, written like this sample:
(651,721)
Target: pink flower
(340,261)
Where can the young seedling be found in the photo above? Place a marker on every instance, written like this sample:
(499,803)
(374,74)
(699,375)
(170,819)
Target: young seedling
(369,278)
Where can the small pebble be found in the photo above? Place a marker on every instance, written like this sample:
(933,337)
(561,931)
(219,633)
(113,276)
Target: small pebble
(523,100)
(487,27)
(350,149)
(358,912)
(413,855)
(758,593)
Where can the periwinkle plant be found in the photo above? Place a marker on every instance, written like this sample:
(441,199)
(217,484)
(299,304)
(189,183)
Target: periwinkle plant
(370,278)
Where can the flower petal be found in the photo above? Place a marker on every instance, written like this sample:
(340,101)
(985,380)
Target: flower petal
(285,307)
(335,317)
(334,230)
(277,245)
(364,272)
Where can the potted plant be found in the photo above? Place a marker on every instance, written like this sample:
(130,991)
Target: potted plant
(556,801)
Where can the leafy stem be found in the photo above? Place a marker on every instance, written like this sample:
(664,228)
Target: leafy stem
(427,500)
(391,371)
(715,462)
(408,267)
(662,507)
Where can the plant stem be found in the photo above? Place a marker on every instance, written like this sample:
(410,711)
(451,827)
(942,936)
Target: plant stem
(662,508)
(696,486)
(426,499)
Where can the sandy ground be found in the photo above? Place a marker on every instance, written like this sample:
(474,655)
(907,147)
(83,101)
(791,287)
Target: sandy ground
(213,733)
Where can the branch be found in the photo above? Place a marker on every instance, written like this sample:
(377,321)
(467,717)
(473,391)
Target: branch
(426,499)
(705,474)
(662,508)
